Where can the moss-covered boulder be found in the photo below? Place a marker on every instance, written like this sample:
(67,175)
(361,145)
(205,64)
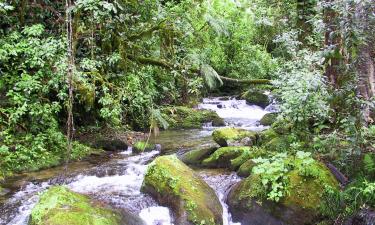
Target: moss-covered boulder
(268,119)
(230,136)
(246,168)
(249,204)
(60,206)
(195,157)
(232,157)
(180,117)
(175,185)
(143,146)
(256,97)
(227,157)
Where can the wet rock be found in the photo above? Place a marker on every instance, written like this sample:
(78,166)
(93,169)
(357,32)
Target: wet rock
(255,97)
(143,146)
(249,205)
(222,158)
(4,191)
(195,157)
(180,117)
(111,144)
(107,139)
(175,185)
(58,206)
(363,217)
(268,119)
(234,137)
(231,157)
(246,168)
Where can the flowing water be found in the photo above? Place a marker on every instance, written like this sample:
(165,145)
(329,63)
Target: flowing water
(117,178)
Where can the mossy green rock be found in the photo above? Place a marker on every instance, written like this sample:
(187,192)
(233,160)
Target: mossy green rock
(142,146)
(195,157)
(246,168)
(60,206)
(268,119)
(175,185)
(257,98)
(300,206)
(227,157)
(180,117)
(230,136)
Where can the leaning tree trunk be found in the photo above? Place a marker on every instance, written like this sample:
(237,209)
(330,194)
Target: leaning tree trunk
(333,43)
(366,58)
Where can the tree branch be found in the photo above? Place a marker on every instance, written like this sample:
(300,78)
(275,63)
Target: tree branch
(168,65)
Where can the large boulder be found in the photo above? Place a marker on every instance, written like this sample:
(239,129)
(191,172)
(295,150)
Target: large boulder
(195,157)
(256,97)
(175,185)
(181,117)
(249,204)
(60,206)
(230,136)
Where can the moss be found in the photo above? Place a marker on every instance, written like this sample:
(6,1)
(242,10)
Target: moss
(232,157)
(142,146)
(180,117)
(223,157)
(302,200)
(256,97)
(246,168)
(268,119)
(195,157)
(266,136)
(174,184)
(225,136)
(60,206)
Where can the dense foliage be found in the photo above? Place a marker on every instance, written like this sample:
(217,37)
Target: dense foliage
(135,60)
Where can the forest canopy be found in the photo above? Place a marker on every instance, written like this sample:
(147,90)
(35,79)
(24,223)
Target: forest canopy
(130,60)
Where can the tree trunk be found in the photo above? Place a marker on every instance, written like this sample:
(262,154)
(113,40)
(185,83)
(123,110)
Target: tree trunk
(333,43)
(366,59)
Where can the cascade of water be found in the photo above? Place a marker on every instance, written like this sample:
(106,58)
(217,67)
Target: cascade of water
(236,113)
(118,181)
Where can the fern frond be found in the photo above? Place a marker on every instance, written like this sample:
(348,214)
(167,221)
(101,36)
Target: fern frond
(211,77)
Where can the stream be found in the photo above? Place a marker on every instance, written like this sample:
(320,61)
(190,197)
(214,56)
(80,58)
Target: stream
(116,179)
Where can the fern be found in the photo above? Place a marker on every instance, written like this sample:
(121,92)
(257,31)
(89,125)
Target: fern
(156,120)
(369,164)
(211,77)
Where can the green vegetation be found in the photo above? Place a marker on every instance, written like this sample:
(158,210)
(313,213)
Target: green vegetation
(268,119)
(58,205)
(174,184)
(145,65)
